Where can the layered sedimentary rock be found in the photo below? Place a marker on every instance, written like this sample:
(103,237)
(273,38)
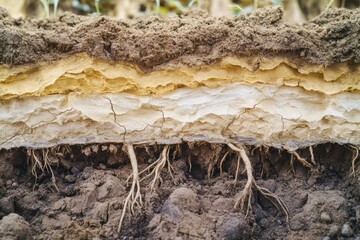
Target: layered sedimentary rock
(80,100)
(269,99)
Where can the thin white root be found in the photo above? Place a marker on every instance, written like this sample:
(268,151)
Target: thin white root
(292,164)
(221,163)
(303,160)
(246,194)
(353,161)
(157,167)
(237,169)
(48,167)
(134,196)
(312,158)
(213,160)
(43,164)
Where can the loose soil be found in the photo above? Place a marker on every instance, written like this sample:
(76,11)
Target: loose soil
(91,182)
(191,39)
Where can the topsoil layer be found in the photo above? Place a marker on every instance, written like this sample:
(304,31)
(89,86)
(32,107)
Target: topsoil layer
(191,39)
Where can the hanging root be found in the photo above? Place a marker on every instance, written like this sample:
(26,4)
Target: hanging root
(222,161)
(353,161)
(237,169)
(134,197)
(214,160)
(157,167)
(312,158)
(48,167)
(303,160)
(42,163)
(246,194)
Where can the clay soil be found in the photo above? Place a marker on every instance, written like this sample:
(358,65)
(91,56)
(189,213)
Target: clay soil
(86,201)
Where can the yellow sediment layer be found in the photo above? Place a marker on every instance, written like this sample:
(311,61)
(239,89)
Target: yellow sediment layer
(82,74)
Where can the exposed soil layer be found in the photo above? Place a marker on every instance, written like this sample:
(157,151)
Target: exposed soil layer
(191,39)
(91,183)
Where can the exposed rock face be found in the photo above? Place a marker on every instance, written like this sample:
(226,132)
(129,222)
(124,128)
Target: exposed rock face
(14,227)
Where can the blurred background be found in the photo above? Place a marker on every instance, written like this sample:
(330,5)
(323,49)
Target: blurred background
(297,11)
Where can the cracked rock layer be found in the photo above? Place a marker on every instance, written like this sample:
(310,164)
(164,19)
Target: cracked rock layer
(279,116)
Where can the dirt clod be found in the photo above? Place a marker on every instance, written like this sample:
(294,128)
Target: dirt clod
(346,230)
(325,218)
(70,178)
(14,227)
(232,228)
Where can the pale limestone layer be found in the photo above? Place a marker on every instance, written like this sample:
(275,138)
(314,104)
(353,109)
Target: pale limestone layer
(287,117)
(82,74)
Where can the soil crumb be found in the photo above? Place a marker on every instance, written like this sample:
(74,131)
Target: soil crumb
(190,39)
(186,204)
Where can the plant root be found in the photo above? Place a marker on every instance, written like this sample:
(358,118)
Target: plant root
(237,168)
(42,163)
(246,194)
(222,161)
(157,167)
(353,161)
(312,158)
(48,167)
(134,196)
(303,161)
(213,161)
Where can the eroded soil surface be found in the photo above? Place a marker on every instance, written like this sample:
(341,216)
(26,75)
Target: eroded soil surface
(191,39)
(91,183)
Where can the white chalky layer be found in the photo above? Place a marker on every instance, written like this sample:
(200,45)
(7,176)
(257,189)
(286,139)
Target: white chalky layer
(288,117)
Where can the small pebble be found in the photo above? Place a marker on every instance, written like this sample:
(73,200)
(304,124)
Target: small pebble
(311,182)
(70,178)
(51,214)
(102,166)
(63,207)
(333,231)
(73,218)
(327,238)
(98,183)
(264,223)
(57,225)
(116,206)
(14,184)
(346,230)
(8,182)
(325,218)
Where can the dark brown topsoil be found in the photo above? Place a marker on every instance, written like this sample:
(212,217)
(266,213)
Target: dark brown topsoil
(323,205)
(191,39)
